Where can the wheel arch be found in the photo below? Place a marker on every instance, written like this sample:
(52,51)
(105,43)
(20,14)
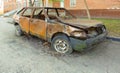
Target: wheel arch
(16,23)
(59,33)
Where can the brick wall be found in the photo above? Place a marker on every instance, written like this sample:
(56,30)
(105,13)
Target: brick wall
(94,4)
(79,4)
(98,13)
(9,5)
(56,4)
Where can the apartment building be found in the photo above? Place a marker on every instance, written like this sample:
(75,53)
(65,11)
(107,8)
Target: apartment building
(92,4)
(7,5)
(97,8)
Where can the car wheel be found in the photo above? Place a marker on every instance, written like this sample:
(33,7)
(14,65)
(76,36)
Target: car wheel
(62,44)
(18,30)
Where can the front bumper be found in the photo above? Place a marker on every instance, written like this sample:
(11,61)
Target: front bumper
(80,45)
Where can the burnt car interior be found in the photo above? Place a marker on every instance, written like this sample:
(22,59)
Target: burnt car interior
(38,14)
(52,13)
(61,13)
(27,13)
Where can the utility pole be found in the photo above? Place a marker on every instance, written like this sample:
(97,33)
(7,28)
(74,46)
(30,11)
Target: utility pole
(87,9)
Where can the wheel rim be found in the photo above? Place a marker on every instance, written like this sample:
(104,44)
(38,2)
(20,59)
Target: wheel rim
(61,46)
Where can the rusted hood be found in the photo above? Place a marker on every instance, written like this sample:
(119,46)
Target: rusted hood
(82,23)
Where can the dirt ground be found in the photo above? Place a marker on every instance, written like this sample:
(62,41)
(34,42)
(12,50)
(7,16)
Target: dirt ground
(28,55)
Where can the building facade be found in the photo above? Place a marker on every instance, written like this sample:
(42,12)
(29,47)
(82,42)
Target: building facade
(7,5)
(97,8)
(92,4)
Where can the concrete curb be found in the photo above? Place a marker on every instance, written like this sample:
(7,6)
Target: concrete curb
(114,38)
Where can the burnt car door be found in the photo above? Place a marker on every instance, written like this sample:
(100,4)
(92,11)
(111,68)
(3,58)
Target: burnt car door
(38,24)
(25,18)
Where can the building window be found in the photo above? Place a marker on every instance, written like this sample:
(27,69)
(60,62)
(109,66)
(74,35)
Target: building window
(72,3)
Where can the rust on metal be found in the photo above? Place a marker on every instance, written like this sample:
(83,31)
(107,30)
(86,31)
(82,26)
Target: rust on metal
(54,28)
(40,26)
(46,22)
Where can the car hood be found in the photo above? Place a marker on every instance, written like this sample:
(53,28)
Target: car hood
(82,23)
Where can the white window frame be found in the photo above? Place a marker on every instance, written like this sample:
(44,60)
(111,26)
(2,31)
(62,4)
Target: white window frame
(73,3)
(61,4)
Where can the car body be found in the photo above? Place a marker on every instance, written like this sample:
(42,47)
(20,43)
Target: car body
(58,26)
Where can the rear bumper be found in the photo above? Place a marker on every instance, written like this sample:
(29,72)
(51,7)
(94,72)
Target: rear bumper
(80,45)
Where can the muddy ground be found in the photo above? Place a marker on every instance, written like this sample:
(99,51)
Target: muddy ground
(28,55)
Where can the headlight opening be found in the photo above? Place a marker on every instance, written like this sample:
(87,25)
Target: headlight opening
(80,34)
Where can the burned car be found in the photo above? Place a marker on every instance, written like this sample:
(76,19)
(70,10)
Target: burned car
(58,26)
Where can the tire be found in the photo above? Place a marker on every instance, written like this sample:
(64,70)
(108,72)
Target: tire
(18,31)
(61,44)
